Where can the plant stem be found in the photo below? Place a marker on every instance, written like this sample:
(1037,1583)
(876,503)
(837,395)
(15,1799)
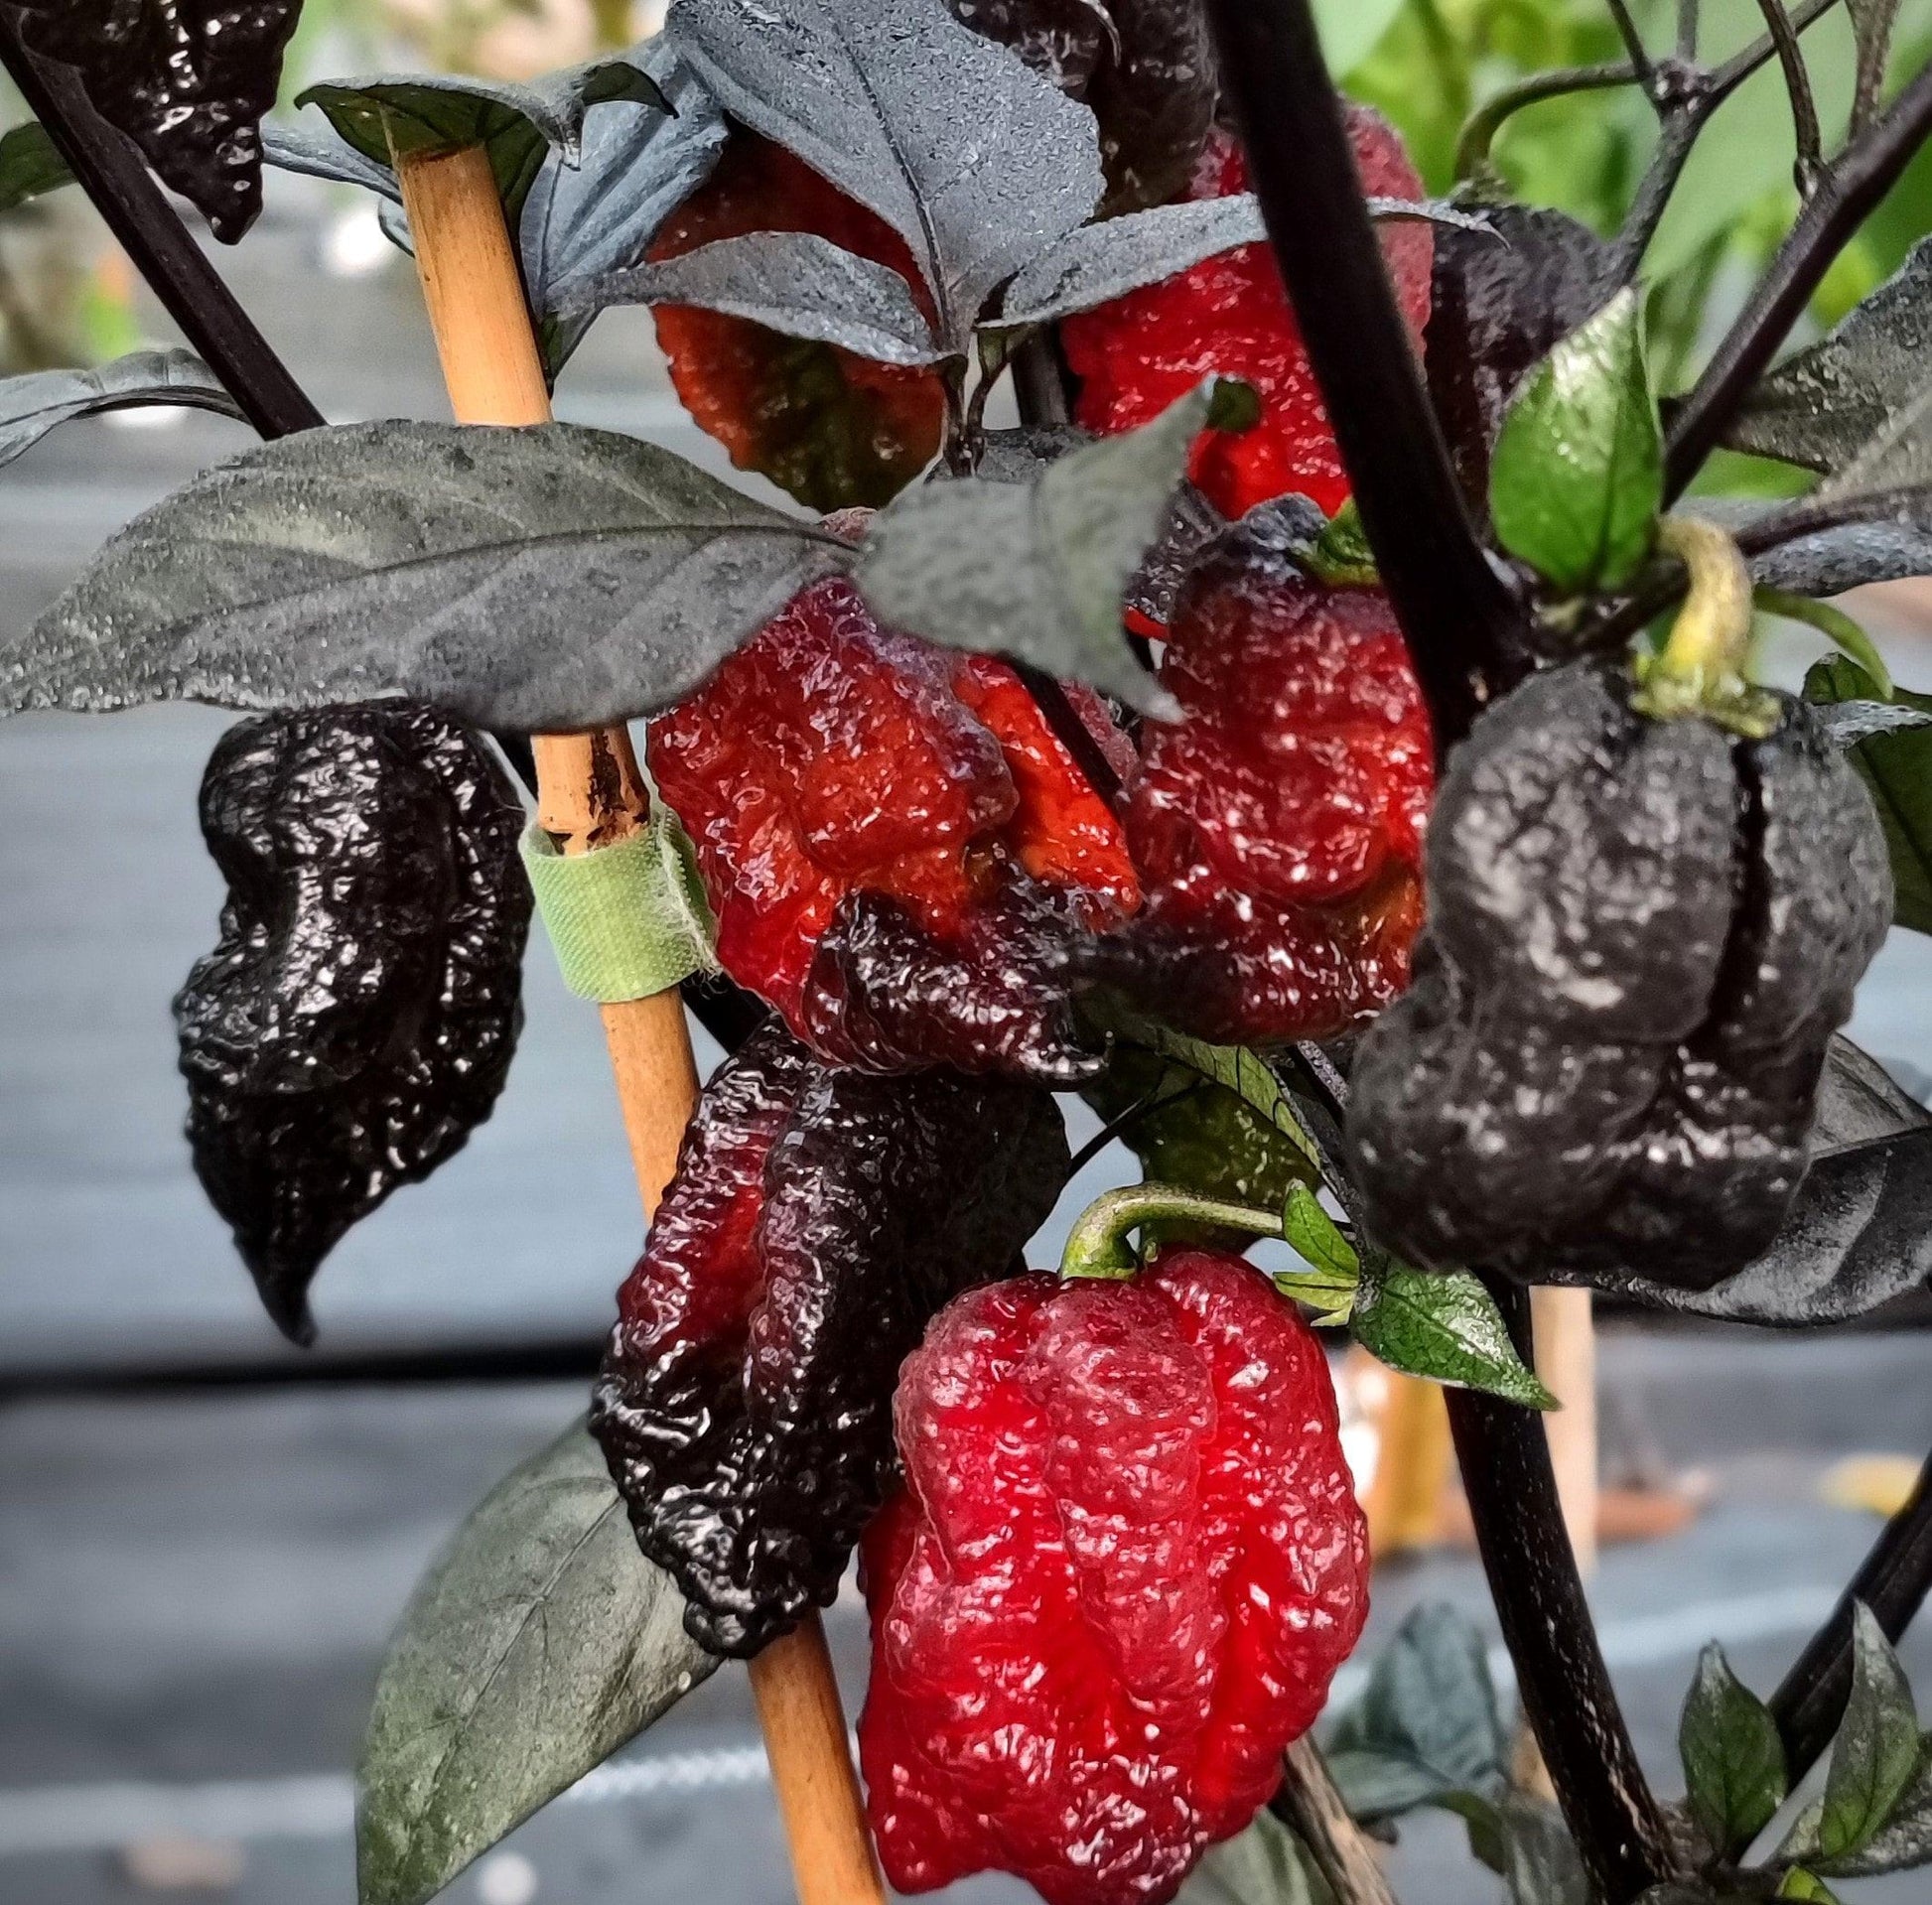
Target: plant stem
(1309,1802)
(1892,1580)
(1479,131)
(1565,1686)
(1096,1246)
(1797,83)
(1850,188)
(1466,631)
(162,248)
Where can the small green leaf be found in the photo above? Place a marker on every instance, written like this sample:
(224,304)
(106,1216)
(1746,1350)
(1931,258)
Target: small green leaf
(1905,1840)
(1799,1883)
(538,1644)
(1576,480)
(1266,1865)
(1832,622)
(1443,1326)
(1876,1751)
(1897,768)
(30,165)
(1734,1759)
(1341,555)
(1316,1239)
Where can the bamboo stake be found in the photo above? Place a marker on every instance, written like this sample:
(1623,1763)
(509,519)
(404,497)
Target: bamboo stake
(589,793)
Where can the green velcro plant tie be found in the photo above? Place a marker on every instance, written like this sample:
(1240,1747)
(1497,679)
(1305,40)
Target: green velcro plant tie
(626,920)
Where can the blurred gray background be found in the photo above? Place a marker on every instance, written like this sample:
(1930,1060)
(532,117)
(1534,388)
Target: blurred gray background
(195,1586)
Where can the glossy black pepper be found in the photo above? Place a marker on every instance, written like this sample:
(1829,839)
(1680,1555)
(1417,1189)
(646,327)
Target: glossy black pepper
(1641,935)
(188,80)
(818,1219)
(357,1019)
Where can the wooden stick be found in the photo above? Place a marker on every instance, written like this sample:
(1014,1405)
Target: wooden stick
(590,792)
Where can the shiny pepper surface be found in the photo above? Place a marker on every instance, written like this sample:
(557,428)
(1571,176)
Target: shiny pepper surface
(817,1220)
(1230,313)
(900,852)
(1124,1567)
(1641,938)
(358,1017)
(1277,825)
(834,429)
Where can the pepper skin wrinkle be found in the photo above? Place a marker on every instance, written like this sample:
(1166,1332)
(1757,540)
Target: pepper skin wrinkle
(903,858)
(1641,938)
(1230,316)
(358,1017)
(818,1219)
(1278,823)
(1125,1566)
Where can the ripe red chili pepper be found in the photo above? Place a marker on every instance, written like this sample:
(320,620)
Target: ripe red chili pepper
(1126,1565)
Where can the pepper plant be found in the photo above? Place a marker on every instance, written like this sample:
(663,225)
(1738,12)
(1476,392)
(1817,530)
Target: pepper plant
(1447,898)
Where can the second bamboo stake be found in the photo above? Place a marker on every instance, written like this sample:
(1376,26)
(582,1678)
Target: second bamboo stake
(589,793)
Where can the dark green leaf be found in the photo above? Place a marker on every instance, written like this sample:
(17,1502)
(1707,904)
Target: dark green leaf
(1198,1134)
(538,1644)
(1734,1759)
(1852,404)
(1905,1839)
(1876,1750)
(1443,1326)
(1233,1067)
(517,125)
(1897,768)
(29,165)
(975,161)
(1576,480)
(1427,1725)
(793,282)
(527,581)
(1540,1858)
(1266,1865)
(1068,540)
(32,405)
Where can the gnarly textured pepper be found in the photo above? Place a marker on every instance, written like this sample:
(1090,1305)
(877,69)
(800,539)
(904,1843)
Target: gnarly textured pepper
(1643,934)
(358,1017)
(1277,825)
(833,428)
(817,1219)
(901,855)
(1137,356)
(187,81)
(1126,1565)
(1146,68)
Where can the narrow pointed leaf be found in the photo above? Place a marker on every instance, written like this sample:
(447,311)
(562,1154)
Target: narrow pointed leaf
(537,1645)
(1876,1750)
(41,400)
(526,581)
(1445,1327)
(1734,1759)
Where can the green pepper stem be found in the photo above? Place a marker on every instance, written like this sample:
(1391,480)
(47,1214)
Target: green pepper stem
(1097,1247)
(1711,635)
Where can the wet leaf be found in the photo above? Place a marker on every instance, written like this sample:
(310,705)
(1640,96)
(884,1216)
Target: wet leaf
(1897,768)
(1443,1326)
(1577,478)
(537,1645)
(30,165)
(1427,1724)
(41,400)
(1855,404)
(1734,1759)
(1501,299)
(526,581)
(517,125)
(1876,1750)
(1069,542)
(1826,561)
(1101,262)
(1266,1864)
(974,159)
(188,80)
(793,282)
(1849,721)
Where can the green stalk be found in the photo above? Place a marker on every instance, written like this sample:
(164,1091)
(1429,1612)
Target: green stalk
(1701,670)
(1097,1245)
